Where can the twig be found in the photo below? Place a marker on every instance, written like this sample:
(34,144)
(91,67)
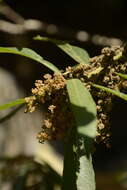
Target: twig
(9,13)
(21,26)
(12,28)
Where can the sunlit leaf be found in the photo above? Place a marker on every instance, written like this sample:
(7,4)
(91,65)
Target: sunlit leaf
(114,92)
(11,114)
(124,76)
(78,54)
(12,104)
(26,52)
(78,171)
(83,107)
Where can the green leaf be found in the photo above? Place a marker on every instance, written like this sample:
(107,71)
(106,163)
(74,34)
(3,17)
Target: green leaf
(83,107)
(26,52)
(12,104)
(114,92)
(11,114)
(85,175)
(78,173)
(124,76)
(78,54)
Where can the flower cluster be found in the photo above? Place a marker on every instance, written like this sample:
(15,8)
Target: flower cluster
(52,91)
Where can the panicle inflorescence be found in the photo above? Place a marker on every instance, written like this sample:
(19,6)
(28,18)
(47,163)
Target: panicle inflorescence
(51,90)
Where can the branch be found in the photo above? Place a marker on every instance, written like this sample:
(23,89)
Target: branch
(9,13)
(21,26)
(28,25)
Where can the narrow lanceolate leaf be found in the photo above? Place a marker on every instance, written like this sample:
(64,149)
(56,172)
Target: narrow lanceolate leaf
(26,52)
(83,107)
(78,54)
(78,173)
(114,92)
(11,114)
(12,104)
(124,76)
(85,173)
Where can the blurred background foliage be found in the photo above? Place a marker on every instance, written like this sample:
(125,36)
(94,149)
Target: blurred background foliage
(91,24)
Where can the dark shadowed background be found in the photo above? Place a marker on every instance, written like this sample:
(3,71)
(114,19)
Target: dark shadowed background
(80,22)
